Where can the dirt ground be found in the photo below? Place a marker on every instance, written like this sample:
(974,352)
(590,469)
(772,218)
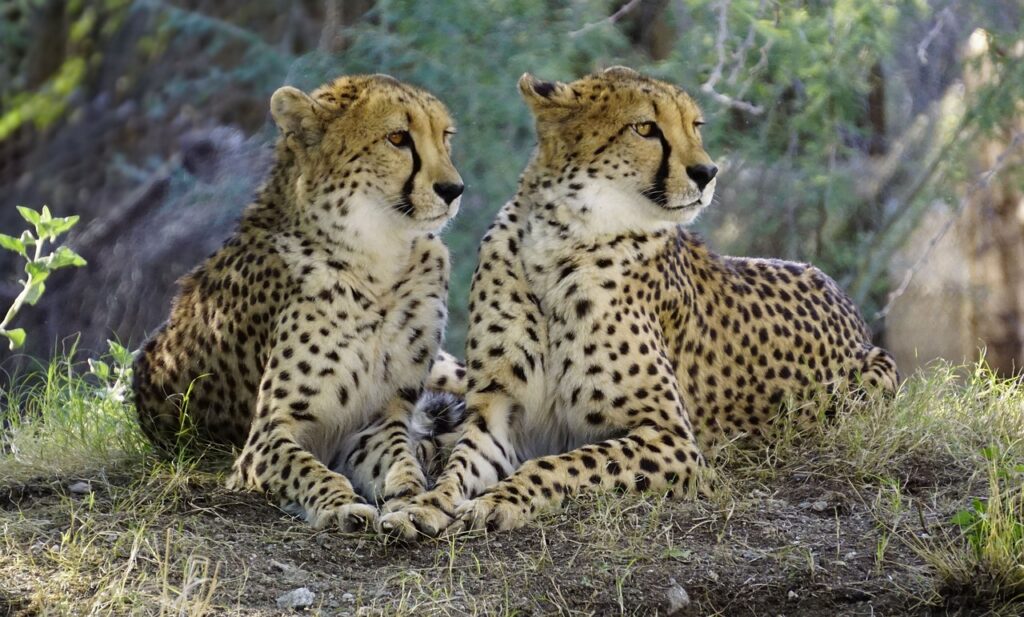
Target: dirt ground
(155,542)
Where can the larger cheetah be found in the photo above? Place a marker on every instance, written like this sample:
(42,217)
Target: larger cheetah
(323,313)
(609,348)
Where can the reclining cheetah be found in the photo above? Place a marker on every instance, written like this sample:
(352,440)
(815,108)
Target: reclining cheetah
(608,348)
(323,312)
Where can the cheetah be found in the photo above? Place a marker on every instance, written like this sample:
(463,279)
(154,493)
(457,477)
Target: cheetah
(320,318)
(610,349)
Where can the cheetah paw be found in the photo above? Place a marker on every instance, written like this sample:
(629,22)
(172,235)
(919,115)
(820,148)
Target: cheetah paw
(349,518)
(412,520)
(488,513)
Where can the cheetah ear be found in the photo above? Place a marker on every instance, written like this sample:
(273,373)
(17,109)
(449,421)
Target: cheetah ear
(541,95)
(297,115)
(620,71)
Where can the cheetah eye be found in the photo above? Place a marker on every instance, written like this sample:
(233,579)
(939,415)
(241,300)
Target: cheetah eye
(645,129)
(400,139)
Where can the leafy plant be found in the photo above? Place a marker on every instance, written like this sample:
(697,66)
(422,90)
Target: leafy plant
(1003,509)
(994,528)
(115,372)
(40,264)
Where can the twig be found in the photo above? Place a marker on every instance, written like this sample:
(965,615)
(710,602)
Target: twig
(982,182)
(723,33)
(708,87)
(725,99)
(624,10)
(945,16)
(330,37)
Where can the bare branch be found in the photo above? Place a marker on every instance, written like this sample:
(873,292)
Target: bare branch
(330,37)
(945,16)
(624,10)
(741,54)
(725,99)
(723,33)
(982,182)
(708,87)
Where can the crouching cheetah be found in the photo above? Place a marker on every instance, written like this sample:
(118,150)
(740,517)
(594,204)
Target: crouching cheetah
(320,317)
(607,347)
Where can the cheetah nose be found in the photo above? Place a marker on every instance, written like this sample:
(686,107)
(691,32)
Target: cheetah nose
(702,174)
(448,191)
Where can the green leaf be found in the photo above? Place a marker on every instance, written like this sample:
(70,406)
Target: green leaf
(121,354)
(64,257)
(60,225)
(38,270)
(964,519)
(12,244)
(990,453)
(35,291)
(27,238)
(99,368)
(16,336)
(29,215)
(45,216)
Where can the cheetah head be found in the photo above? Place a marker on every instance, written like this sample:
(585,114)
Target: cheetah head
(623,147)
(375,139)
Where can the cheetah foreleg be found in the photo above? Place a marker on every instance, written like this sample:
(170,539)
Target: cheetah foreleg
(274,462)
(380,459)
(482,456)
(649,458)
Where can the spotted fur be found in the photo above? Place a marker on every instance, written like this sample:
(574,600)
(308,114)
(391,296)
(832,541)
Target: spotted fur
(320,317)
(610,349)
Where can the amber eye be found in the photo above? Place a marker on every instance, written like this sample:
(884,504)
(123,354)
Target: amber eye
(645,129)
(400,139)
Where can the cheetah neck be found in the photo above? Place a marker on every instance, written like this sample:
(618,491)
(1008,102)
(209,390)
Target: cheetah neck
(338,227)
(580,208)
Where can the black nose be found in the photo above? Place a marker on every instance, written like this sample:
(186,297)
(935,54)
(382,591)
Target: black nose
(702,174)
(448,191)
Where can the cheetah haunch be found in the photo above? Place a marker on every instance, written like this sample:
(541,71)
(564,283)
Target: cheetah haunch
(608,348)
(307,338)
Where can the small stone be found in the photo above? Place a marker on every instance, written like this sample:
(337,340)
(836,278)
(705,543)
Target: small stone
(296,598)
(289,571)
(347,597)
(678,599)
(820,505)
(80,488)
(792,595)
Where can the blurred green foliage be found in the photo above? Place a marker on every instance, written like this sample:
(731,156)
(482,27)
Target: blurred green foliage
(802,98)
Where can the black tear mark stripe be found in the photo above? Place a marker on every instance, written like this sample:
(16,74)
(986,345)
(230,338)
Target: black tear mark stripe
(657,191)
(405,206)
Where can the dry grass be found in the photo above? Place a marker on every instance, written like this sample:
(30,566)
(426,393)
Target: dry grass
(852,516)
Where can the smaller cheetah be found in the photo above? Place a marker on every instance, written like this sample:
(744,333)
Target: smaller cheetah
(320,318)
(610,349)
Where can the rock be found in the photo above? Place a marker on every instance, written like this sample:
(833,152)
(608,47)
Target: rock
(347,597)
(678,599)
(290,572)
(296,598)
(792,595)
(819,506)
(80,488)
